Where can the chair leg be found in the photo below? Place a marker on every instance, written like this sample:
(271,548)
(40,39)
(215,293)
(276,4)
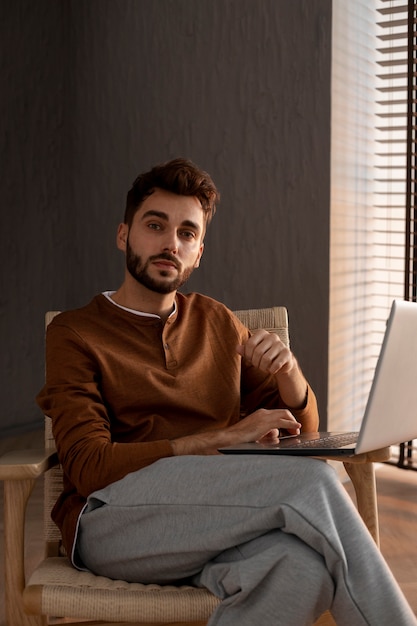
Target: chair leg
(362,476)
(16,495)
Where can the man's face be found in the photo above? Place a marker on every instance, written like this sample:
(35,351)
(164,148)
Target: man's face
(164,243)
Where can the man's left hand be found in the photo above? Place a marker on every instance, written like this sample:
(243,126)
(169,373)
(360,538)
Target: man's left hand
(267,352)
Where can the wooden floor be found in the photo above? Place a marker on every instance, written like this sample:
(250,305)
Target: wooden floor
(397,499)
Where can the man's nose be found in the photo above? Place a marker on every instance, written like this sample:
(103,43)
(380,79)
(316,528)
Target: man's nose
(171,242)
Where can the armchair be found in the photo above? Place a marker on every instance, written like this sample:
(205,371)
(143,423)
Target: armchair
(58,593)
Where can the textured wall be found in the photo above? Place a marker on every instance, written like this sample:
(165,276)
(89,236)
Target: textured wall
(34,232)
(100,90)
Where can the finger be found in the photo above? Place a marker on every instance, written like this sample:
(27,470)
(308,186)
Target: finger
(294,431)
(290,425)
(268,353)
(271,437)
(271,434)
(254,344)
(269,361)
(280,419)
(278,359)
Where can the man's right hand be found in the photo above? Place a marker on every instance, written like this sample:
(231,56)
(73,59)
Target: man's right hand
(263,424)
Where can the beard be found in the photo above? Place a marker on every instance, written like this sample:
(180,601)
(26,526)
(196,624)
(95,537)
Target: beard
(140,272)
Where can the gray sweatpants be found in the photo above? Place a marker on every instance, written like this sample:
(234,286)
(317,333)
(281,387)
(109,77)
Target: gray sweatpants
(277,539)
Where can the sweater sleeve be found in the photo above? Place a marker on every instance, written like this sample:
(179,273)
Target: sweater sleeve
(72,398)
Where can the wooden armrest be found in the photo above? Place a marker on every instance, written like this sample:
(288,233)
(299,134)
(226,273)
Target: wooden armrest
(19,470)
(27,464)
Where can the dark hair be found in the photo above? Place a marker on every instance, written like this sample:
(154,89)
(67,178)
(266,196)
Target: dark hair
(178,176)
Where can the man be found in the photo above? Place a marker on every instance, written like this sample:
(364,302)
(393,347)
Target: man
(144,384)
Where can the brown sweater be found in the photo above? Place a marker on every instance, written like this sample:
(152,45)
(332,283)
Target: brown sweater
(120,386)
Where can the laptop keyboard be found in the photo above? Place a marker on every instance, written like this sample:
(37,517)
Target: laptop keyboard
(331,441)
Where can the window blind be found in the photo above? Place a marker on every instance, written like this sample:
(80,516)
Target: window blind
(410,243)
(391,156)
(396,137)
(395,190)
(373,190)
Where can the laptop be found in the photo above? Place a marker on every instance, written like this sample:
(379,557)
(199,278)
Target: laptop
(391,410)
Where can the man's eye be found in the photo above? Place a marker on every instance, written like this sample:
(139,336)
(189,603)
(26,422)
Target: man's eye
(154,226)
(188,234)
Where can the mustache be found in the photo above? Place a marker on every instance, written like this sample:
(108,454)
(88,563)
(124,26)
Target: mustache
(165,256)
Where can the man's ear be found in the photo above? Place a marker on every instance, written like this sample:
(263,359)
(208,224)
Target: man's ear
(121,238)
(200,254)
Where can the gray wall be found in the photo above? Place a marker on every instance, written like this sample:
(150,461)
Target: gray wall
(96,91)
